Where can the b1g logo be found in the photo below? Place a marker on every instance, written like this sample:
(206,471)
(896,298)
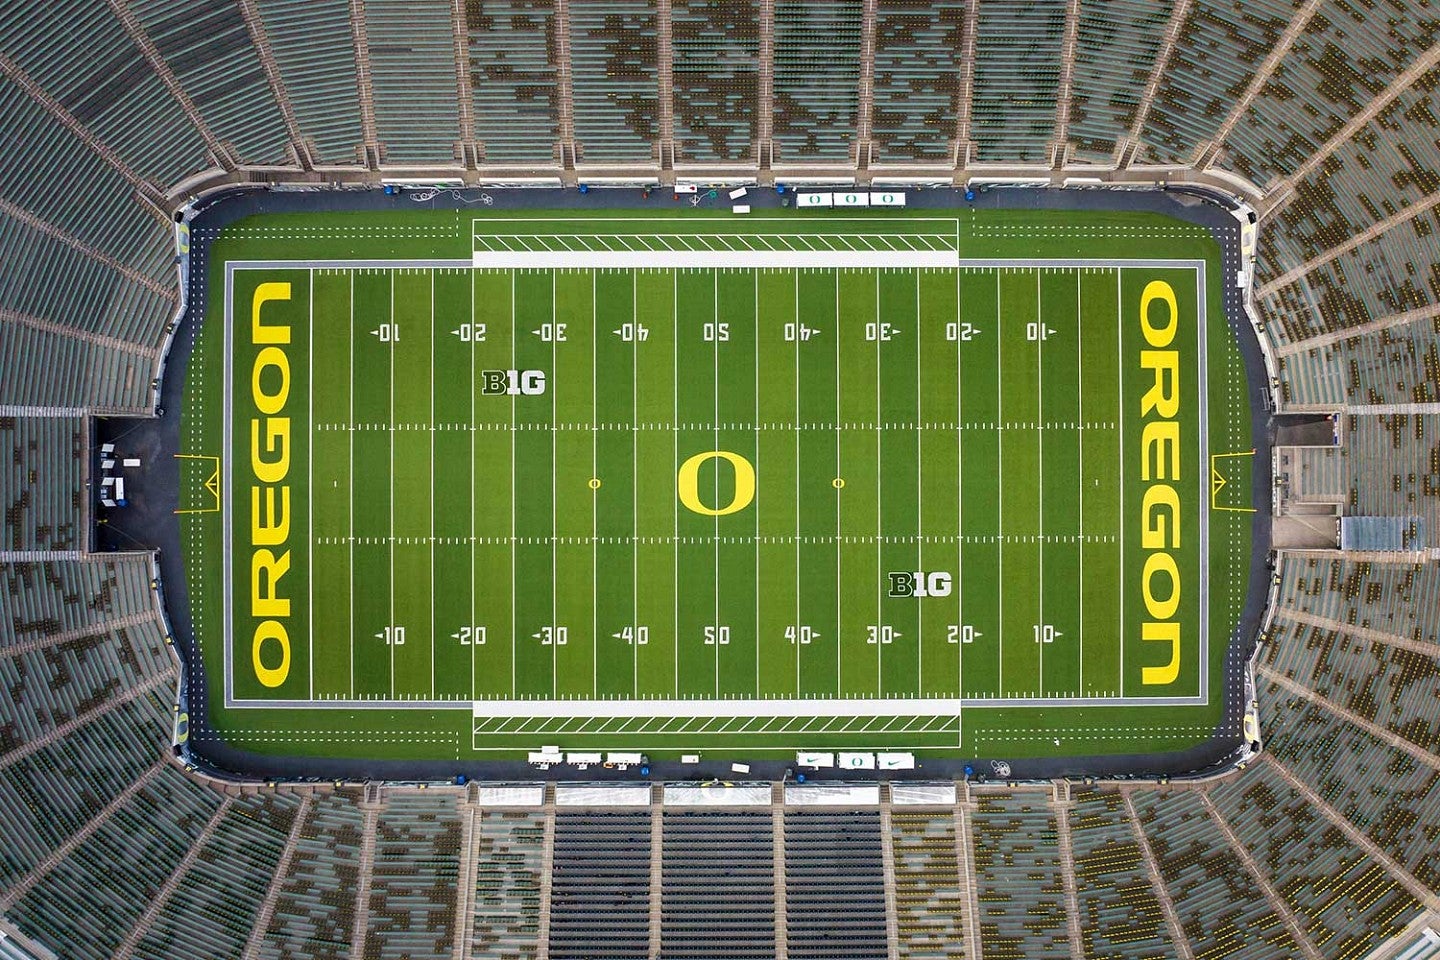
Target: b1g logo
(920,584)
(514,383)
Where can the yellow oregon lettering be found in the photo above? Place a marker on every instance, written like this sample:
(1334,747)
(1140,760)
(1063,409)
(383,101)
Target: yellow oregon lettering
(270,464)
(688,483)
(1159,469)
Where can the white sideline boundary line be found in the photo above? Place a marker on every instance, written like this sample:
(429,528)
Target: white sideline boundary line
(672,707)
(713,259)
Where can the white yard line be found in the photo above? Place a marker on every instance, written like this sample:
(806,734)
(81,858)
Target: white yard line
(879,511)
(839,632)
(959,504)
(595,500)
(310,479)
(474,610)
(1040,468)
(1080,439)
(350,352)
(390,629)
(554,549)
(755,339)
(675,456)
(919,496)
(1000,500)
(634,491)
(1120,445)
(514,616)
(431,387)
(795,312)
(715,355)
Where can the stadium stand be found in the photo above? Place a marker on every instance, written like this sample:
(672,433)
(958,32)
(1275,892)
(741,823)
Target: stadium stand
(314,910)
(1017,843)
(1120,914)
(1347,56)
(1325,846)
(928,902)
(613,50)
(1221,45)
(917,79)
(1117,44)
(41,482)
(834,891)
(1017,79)
(212,56)
(817,76)
(311,43)
(716,79)
(600,893)
(412,55)
(514,79)
(80,54)
(724,912)
(507,883)
(1215,897)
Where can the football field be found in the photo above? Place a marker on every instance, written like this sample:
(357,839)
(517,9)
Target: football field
(646,484)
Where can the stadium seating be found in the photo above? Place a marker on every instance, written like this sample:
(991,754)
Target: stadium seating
(600,893)
(39,600)
(834,884)
(80,54)
(1345,57)
(212,910)
(412,892)
(928,904)
(1385,793)
(314,50)
(718,885)
(412,59)
(917,79)
(315,903)
(211,53)
(1345,902)
(1120,914)
(1016,845)
(88,902)
(613,54)
(40,482)
(1221,45)
(514,80)
(1017,79)
(817,80)
(1117,42)
(87,199)
(1220,910)
(509,859)
(716,79)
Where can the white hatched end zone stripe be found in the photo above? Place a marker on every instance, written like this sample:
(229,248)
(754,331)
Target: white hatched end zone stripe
(712,259)
(837,707)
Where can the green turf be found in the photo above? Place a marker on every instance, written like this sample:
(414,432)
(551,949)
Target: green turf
(419,502)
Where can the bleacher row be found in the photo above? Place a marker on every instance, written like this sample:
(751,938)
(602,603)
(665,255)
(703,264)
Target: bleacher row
(1345,55)
(40,482)
(716,896)
(102,828)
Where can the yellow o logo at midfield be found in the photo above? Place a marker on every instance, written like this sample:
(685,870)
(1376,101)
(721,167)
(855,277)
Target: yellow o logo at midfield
(688,483)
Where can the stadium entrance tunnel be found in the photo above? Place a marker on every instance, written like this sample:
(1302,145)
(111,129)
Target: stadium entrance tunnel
(134,487)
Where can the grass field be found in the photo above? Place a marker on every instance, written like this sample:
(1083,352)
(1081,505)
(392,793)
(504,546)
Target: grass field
(665,483)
